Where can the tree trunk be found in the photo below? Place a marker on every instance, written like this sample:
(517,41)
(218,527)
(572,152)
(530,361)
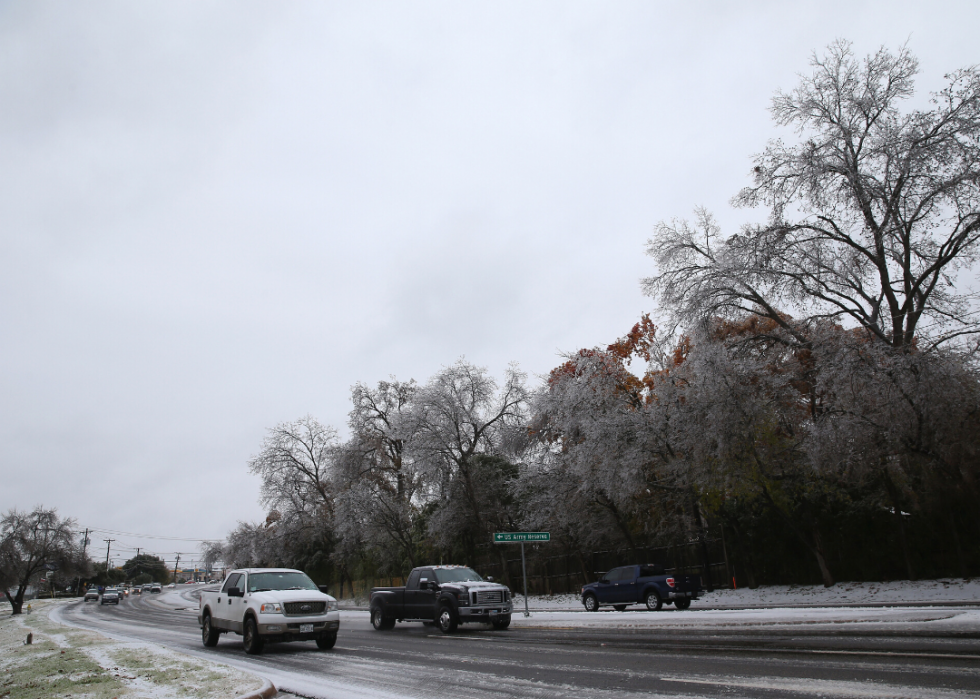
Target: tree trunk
(703,539)
(828,579)
(900,522)
(17,601)
(614,511)
(586,573)
(955,535)
(502,557)
(815,546)
(743,558)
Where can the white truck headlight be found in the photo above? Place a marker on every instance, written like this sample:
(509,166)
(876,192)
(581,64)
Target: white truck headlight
(332,605)
(270,609)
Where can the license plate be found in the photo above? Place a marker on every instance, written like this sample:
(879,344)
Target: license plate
(494,611)
(306,628)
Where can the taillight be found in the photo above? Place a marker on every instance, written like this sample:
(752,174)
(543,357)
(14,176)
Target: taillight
(670,582)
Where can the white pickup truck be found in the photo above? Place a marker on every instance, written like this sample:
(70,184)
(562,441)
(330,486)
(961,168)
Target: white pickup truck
(269,605)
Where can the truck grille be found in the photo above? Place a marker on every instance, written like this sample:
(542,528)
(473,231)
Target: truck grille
(489,597)
(303,608)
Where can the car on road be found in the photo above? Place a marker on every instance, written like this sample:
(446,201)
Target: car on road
(156,587)
(443,595)
(92,593)
(641,584)
(268,605)
(110,596)
(137,590)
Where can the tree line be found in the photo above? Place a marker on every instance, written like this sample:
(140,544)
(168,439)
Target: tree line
(808,392)
(41,551)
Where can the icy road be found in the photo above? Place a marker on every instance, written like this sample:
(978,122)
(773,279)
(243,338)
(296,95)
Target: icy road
(920,652)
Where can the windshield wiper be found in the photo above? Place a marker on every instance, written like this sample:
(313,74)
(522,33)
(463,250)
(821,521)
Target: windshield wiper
(263,589)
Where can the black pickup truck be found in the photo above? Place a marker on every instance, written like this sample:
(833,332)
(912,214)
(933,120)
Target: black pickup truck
(442,595)
(641,584)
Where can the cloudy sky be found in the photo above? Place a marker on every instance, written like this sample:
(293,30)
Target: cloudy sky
(219,216)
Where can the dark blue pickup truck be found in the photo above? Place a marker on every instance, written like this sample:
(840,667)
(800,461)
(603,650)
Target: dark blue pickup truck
(641,584)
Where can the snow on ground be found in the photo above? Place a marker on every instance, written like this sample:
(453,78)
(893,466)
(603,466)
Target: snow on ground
(898,592)
(68,662)
(943,619)
(946,591)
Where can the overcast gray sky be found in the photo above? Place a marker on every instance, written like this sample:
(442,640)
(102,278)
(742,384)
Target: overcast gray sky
(219,216)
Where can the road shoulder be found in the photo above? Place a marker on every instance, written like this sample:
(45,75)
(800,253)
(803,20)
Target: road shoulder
(64,660)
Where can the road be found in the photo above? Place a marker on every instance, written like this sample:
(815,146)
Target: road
(920,653)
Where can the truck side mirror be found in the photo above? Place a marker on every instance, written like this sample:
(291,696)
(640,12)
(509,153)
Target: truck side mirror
(235,592)
(433,585)
(489,578)
(325,589)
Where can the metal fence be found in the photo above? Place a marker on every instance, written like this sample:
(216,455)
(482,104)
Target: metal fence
(550,573)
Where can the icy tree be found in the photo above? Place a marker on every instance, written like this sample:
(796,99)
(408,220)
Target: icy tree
(380,489)
(872,212)
(31,544)
(296,467)
(465,428)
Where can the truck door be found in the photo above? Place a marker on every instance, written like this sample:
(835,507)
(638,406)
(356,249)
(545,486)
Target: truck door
(424,597)
(604,589)
(408,600)
(627,591)
(236,614)
(221,613)
(615,591)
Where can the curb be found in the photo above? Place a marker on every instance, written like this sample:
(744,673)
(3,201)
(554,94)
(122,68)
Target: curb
(969,604)
(267,691)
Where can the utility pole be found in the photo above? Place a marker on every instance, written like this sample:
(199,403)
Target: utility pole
(78,579)
(108,543)
(176,563)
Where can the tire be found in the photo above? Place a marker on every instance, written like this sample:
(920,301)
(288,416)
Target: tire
(653,602)
(209,634)
(620,607)
(327,641)
(591,603)
(379,621)
(682,604)
(446,621)
(250,638)
(501,622)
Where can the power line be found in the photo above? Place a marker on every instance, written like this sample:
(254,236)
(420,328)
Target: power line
(151,536)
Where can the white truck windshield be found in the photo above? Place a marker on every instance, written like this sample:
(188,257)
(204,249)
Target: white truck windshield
(260,582)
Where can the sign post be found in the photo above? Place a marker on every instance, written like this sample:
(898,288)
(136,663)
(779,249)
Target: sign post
(521,538)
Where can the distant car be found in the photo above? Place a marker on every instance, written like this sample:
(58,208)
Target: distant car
(110,596)
(170,585)
(137,590)
(92,593)
(146,587)
(156,587)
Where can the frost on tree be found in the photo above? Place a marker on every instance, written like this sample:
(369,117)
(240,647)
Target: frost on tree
(872,212)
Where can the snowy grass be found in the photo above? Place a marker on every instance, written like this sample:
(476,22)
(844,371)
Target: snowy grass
(68,662)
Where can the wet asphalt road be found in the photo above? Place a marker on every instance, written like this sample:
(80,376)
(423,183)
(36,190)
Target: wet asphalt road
(770,660)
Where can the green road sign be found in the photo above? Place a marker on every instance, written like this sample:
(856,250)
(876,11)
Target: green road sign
(518,537)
